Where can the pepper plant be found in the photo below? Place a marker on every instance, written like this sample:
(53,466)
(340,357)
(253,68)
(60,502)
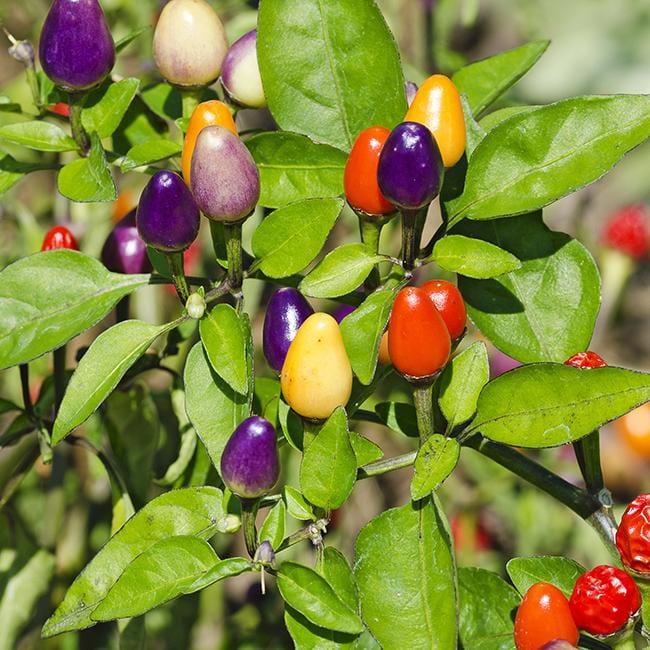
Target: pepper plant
(331,77)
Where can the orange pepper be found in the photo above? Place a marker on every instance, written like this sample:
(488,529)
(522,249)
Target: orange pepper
(634,429)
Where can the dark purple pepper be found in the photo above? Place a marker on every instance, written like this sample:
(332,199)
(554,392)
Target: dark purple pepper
(410,166)
(342,311)
(286,312)
(76,47)
(250,465)
(167,217)
(124,251)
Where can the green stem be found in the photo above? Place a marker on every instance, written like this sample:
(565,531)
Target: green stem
(78,131)
(32,80)
(386,465)
(59,376)
(190,98)
(177,268)
(423,400)
(249,512)
(232,232)
(409,243)
(24,384)
(587,452)
(626,642)
(312,531)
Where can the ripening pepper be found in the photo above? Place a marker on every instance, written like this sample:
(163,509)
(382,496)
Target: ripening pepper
(240,73)
(124,250)
(286,312)
(410,169)
(628,231)
(224,178)
(437,105)
(167,216)
(586,359)
(360,178)
(210,113)
(76,48)
(449,302)
(250,465)
(59,237)
(189,43)
(418,339)
(316,376)
(633,535)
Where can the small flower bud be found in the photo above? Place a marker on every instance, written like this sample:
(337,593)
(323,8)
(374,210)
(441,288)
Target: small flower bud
(195,306)
(264,554)
(229,524)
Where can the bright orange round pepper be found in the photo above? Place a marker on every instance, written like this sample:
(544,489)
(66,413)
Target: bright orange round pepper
(210,113)
(437,105)
(634,428)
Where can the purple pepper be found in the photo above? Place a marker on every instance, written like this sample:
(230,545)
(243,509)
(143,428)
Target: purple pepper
(124,251)
(410,88)
(250,465)
(342,311)
(240,73)
(286,312)
(224,178)
(167,216)
(558,644)
(500,363)
(76,47)
(410,167)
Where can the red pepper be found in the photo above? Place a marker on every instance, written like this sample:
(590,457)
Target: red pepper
(59,237)
(587,359)
(633,535)
(629,231)
(448,301)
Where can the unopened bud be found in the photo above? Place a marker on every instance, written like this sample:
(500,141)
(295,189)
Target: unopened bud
(264,554)
(24,52)
(195,306)
(229,524)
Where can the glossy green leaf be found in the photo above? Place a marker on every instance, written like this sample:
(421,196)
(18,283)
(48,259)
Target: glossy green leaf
(129,38)
(559,571)
(365,451)
(293,168)
(406,578)
(537,157)
(338,573)
(436,460)
(340,272)
(164,571)
(223,337)
(329,467)
(111,354)
(214,409)
(38,135)
(12,170)
(544,311)
(232,566)
(104,109)
(291,237)
(189,511)
(484,81)
(6,406)
(138,125)
(311,595)
(68,293)
(149,152)
(88,179)
(362,331)
(474,258)
(297,506)
(461,383)
(272,529)
(398,416)
(307,636)
(487,606)
(164,100)
(543,405)
(320,77)
(494,119)
(291,425)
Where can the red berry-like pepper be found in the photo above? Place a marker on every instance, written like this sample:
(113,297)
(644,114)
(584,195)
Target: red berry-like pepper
(633,535)
(603,600)
(60,108)
(629,231)
(587,359)
(360,178)
(448,301)
(418,339)
(59,237)
(544,616)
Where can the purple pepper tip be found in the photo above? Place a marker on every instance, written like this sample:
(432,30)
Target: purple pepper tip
(342,311)
(124,250)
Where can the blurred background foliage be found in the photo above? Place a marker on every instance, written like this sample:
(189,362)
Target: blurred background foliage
(60,514)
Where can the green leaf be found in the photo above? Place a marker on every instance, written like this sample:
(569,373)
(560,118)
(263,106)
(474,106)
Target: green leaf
(559,571)
(329,467)
(320,77)
(214,409)
(291,237)
(307,636)
(105,107)
(297,506)
(461,383)
(189,511)
(543,405)
(537,157)
(484,81)
(291,424)
(474,258)
(88,179)
(487,605)
(38,135)
(48,298)
(223,337)
(138,125)
(365,451)
(272,530)
(311,595)
(398,416)
(436,460)
(340,272)
(544,311)
(293,168)
(337,572)
(111,354)
(129,38)
(362,331)
(8,106)
(232,566)
(164,571)
(494,119)
(149,152)
(6,406)
(406,577)
(12,170)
